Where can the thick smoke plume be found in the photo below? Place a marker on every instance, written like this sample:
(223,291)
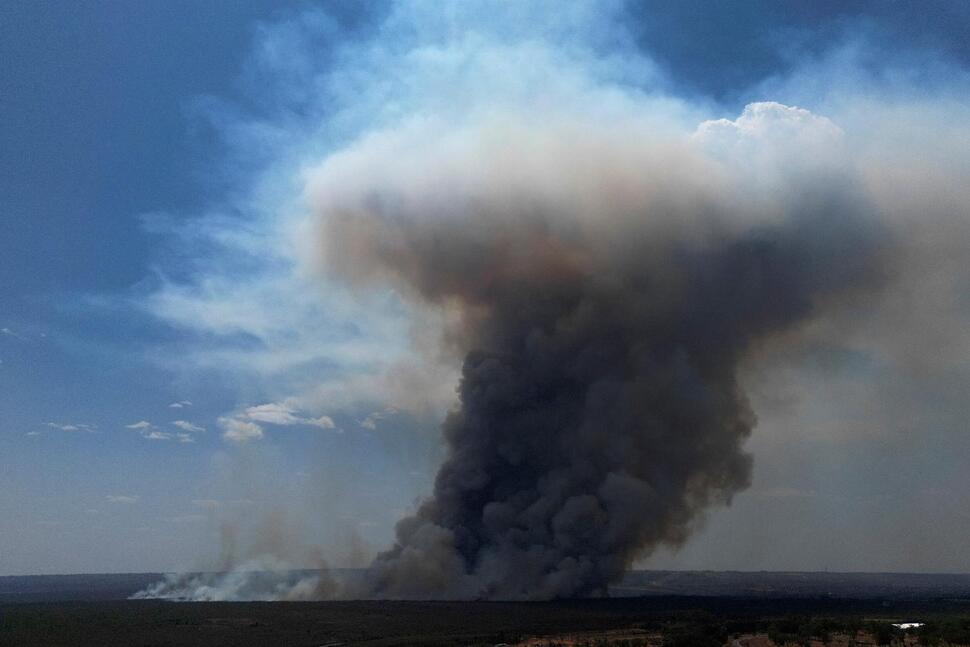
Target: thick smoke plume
(600,287)
(609,267)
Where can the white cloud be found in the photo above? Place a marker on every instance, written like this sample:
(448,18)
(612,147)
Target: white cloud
(273,413)
(185,438)
(121,498)
(324,422)
(769,119)
(33,433)
(768,135)
(141,424)
(240,431)
(185,425)
(158,435)
(277,413)
(71,426)
(181,404)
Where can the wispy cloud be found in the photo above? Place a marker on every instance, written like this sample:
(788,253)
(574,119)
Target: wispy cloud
(185,425)
(71,426)
(181,404)
(244,310)
(149,431)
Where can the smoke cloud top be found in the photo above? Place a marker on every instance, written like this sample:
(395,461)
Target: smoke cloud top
(608,263)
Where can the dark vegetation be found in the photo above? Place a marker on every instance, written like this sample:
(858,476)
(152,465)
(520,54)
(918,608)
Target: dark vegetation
(689,609)
(684,621)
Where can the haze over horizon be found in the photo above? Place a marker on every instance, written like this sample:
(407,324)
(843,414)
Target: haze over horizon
(234,235)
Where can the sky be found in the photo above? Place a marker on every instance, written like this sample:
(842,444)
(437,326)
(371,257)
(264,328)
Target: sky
(181,387)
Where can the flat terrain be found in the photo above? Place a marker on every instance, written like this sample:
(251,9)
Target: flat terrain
(689,621)
(119,586)
(694,609)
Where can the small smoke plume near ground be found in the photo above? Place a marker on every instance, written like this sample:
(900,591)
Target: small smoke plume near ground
(600,287)
(257,579)
(256,561)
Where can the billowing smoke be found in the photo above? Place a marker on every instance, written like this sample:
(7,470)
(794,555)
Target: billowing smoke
(607,269)
(600,286)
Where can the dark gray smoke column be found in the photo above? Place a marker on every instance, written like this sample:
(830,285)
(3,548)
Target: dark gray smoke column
(600,410)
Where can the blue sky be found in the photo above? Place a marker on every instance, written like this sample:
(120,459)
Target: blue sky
(151,176)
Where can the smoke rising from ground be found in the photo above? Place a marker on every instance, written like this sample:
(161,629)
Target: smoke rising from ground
(601,284)
(258,579)
(606,264)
